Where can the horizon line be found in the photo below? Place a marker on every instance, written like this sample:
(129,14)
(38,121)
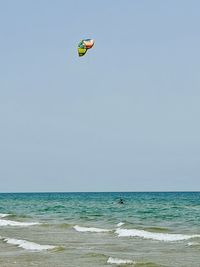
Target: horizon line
(78,192)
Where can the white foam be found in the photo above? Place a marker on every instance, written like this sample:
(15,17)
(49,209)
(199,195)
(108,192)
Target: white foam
(120,224)
(154,236)
(14,223)
(2,215)
(27,245)
(90,229)
(119,261)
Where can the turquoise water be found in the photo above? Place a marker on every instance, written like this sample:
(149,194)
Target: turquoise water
(94,229)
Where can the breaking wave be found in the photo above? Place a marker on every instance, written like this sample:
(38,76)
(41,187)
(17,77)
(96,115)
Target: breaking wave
(2,215)
(155,236)
(120,224)
(27,244)
(14,223)
(119,261)
(90,229)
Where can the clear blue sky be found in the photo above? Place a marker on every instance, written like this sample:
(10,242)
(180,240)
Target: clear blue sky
(126,117)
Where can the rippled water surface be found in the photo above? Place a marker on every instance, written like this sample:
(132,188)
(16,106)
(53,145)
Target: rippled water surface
(95,229)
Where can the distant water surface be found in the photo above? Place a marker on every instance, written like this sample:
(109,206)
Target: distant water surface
(95,229)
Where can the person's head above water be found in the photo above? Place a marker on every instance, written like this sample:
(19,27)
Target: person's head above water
(121,201)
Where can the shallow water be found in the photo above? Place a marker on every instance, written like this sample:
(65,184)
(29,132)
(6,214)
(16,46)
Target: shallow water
(93,229)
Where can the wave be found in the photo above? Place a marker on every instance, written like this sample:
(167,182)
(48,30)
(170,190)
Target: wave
(27,244)
(193,244)
(57,208)
(2,215)
(119,261)
(156,229)
(14,223)
(120,224)
(90,229)
(64,225)
(155,236)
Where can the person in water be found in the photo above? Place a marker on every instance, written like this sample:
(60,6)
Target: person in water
(121,201)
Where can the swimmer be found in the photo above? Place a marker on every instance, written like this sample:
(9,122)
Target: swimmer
(121,201)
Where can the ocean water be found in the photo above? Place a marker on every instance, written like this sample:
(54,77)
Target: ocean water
(94,229)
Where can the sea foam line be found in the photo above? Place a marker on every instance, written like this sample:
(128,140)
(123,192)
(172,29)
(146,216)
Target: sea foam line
(2,215)
(14,223)
(120,224)
(119,261)
(27,244)
(154,236)
(90,229)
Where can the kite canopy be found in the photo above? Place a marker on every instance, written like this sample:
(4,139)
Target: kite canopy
(84,45)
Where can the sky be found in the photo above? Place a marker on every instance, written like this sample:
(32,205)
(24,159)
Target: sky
(125,117)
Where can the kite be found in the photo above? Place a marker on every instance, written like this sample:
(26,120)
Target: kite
(84,45)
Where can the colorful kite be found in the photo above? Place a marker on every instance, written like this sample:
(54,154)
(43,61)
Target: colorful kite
(84,45)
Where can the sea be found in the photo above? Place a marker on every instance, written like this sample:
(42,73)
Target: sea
(100,229)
